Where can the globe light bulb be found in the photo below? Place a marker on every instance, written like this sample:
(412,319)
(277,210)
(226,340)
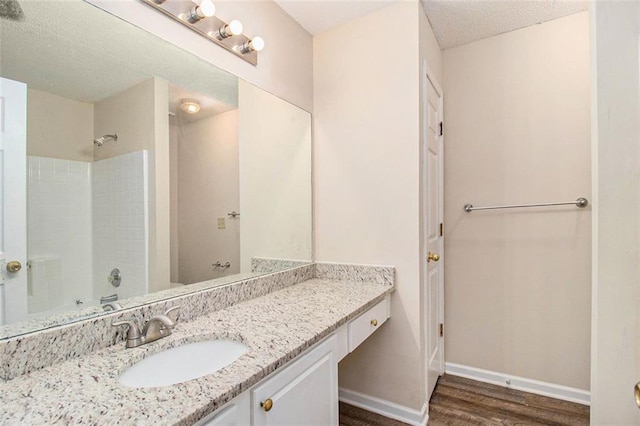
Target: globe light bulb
(207,8)
(257,43)
(235,27)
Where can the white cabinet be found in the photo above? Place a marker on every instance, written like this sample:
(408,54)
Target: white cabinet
(356,331)
(234,413)
(364,326)
(305,392)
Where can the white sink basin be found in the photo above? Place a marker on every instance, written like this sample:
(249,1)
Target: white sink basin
(182,363)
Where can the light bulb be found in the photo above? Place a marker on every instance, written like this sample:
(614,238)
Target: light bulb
(235,27)
(190,105)
(228,30)
(257,43)
(205,9)
(208,8)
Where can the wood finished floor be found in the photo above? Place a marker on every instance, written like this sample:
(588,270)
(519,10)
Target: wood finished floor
(354,416)
(458,401)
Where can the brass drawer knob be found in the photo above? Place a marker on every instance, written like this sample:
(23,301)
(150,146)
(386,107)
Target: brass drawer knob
(14,266)
(267,405)
(374,322)
(433,256)
(636,392)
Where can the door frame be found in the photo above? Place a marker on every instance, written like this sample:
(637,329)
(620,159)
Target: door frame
(427,76)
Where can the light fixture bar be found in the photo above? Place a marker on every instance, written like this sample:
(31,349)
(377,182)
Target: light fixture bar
(208,27)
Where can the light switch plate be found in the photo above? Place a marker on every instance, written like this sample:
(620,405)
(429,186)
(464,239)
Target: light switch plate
(222,223)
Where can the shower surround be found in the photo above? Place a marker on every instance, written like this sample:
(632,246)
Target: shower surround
(85,218)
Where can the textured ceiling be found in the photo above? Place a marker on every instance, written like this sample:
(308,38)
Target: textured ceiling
(454,22)
(317,16)
(457,22)
(75,50)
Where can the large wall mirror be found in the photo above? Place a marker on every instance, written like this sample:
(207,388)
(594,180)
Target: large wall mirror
(149,172)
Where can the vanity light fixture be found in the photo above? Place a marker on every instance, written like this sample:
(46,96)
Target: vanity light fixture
(199,16)
(256,44)
(190,106)
(203,9)
(231,29)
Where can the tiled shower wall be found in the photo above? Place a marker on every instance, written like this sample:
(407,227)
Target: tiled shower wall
(120,224)
(85,219)
(59,232)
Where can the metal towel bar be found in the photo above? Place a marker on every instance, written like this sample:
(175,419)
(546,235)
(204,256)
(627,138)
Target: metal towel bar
(580,202)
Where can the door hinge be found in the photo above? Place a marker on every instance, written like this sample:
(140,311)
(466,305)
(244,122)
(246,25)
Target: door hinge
(441,330)
(442,229)
(441,130)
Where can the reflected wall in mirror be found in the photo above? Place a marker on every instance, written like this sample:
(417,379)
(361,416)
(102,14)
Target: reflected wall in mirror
(132,195)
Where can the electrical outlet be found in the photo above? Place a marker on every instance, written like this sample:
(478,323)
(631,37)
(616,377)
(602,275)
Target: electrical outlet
(222,223)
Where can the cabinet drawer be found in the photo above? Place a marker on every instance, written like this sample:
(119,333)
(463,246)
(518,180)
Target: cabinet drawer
(363,326)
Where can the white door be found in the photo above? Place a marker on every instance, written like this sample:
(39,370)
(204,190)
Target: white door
(433,238)
(13,195)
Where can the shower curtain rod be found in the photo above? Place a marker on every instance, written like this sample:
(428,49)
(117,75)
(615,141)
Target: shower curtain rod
(580,202)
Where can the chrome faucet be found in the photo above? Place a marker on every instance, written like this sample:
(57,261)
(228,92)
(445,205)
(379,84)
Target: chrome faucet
(111,298)
(157,327)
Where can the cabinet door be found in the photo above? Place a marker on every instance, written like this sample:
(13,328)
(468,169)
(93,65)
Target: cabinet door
(234,413)
(304,393)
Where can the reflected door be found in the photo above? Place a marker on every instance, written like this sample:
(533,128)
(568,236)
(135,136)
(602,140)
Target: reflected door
(13,192)
(434,290)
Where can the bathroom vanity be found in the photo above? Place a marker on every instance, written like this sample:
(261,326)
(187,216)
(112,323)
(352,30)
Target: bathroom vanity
(295,334)
(306,390)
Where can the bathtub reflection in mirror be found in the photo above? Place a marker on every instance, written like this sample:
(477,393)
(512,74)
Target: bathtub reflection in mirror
(145,159)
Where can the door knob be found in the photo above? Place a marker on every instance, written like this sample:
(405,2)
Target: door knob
(636,392)
(14,266)
(433,256)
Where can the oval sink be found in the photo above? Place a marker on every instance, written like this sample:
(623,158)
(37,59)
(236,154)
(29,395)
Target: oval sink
(182,363)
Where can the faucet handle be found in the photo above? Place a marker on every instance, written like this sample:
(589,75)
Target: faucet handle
(111,306)
(133,335)
(174,308)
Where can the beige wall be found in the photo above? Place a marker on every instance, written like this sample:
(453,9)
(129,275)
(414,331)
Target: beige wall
(173,198)
(140,117)
(366,177)
(284,66)
(160,193)
(275,177)
(615,335)
(429,49)
(517,130)
(58,127)
(208,189)
(131,115)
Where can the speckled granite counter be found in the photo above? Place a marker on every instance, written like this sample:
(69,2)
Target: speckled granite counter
(276,327)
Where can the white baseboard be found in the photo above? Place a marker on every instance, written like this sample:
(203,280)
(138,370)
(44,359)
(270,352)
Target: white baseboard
(520,383)
(385,408)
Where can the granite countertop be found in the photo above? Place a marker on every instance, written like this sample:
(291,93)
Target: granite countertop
(276,327)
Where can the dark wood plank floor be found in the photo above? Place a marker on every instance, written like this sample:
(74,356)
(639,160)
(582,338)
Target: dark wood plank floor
(458,401)
(354,416)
